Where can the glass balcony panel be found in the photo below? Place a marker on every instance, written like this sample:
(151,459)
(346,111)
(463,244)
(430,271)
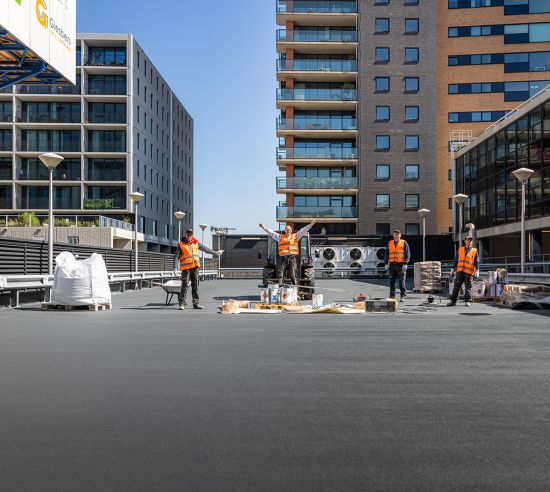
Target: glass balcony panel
(317,124)
(34,170)
(49,89)
(110,85)
(305,183)
(316,212)
(6,142)
(106,57)
(316,65)
(5,168)
(107,141)
(106,170)
(316,153)
(64,197)
(5,197)
(106,118)
(316,95)
(308,6)
(317,36)
(50,141)
(49,117)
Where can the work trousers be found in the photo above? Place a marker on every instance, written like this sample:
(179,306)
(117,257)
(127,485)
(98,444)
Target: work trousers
(287,265)
(398,271)
(186,275)
(462,278)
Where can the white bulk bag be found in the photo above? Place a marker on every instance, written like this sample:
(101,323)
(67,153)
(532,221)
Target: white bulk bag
(80,282)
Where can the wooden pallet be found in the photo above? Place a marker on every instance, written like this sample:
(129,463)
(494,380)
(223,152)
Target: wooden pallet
(428,291)
(46,306)
(485,299)
(275,306)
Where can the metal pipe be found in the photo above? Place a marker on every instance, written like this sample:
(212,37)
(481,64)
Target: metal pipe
(50,226)
(424,238)
(136,239)
(522,227)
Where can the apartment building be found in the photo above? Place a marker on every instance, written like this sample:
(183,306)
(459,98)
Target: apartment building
(370,92)
(120,129)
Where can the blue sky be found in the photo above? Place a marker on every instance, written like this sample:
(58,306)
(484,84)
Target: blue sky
(219,58)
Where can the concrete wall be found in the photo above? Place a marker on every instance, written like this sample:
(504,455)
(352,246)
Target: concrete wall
(101,237)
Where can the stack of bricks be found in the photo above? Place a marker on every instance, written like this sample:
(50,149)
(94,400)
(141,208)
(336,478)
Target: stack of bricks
(427,276)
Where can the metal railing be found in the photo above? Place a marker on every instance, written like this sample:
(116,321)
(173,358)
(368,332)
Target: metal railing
(322,153)
(47,117)
(321,6)
(316,212)
(48,89)
(105,118)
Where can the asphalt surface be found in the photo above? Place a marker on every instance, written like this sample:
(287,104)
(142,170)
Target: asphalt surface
(145,397)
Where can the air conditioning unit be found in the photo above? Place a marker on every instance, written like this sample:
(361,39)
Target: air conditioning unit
(328,265)
(356,253)
(356,267)
(330,254)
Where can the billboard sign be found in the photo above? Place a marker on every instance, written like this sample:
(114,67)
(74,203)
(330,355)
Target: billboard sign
(47,28)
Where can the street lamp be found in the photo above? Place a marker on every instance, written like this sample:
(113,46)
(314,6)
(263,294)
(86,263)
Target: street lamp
(203,227)
(423,213)
(179,217)
(522,175)
(51,161)
(136,197)
(459,200)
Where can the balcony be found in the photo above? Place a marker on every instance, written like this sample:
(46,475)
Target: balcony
(106,146)
(317,13)
(106,118)
(315,127)
(48,89)
(6,145)
(317,185)
(317,98)
(48,117)
(6,116)
(321,41)
(49,145)
(115,88)
(330,154)
(332,213)
(320,70)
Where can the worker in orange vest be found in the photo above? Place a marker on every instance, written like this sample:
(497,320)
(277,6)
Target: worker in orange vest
(189,262)
(397,258)
(287,250)
(466,266)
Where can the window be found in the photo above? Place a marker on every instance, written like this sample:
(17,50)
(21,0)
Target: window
(382,113)
(382,172)
(382,142)
(383,229)
(412,201)
(72,240)
(450,175)
(381,2)
(383,201)
(412,55)
(381,25)
(411,84)
(411,113)
(412,229)
(412,26)
(412,172)
(410,2)
(453,117)
(381,55)
(382,84)
(411,142)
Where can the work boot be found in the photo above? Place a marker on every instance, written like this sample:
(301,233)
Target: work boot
(467,303)
(451,304)
(181,307)
(197,306)
(403,297)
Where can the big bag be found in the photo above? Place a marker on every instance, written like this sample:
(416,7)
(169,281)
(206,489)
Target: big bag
(80,282)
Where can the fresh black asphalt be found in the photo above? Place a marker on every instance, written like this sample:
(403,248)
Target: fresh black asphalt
(145,397)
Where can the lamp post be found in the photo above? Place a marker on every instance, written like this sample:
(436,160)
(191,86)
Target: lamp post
(424,213)
(203,227)
(136,197)
(179,217)
(522,175)
(459,200)
(51,161)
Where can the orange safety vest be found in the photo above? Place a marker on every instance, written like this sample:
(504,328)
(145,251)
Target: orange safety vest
(189,256)
(466,261)
(397,253)
(288,246)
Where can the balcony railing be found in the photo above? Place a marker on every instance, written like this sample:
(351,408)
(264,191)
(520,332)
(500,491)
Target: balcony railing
(40,173)
(308,6)
(6,145)
(48,89)
(106,118)
(6,116)
(106,89)
(316,95)
(25,145)
(315,65)
(48,117)
(316,124)
(6,174)
(316,212)
(316,36)
(106,146)
(328,183)
(316,153)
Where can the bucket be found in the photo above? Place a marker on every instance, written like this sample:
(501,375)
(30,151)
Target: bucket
(264,296)
(274,294)
(288,295)
(317,300)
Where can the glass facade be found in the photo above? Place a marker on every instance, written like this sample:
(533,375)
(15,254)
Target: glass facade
(106,170)
(107,141)
(5,168)
(46,112)
(100,56)
(107,85)
(105,197)
(485,172)
(50,141)
(36,197)
(33,169)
